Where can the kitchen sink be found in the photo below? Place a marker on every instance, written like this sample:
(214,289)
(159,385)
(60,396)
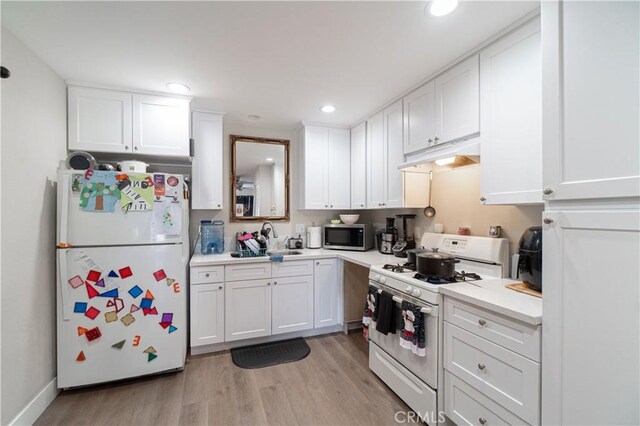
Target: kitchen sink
(283,252)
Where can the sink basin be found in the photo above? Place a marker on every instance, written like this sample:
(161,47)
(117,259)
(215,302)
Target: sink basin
(283,252)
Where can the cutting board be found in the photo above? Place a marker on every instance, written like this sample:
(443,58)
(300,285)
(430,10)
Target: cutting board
(522,288)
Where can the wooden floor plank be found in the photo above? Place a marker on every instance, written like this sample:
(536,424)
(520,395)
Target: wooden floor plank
(332,386)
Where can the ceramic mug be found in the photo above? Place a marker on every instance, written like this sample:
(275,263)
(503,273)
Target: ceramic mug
(494,231)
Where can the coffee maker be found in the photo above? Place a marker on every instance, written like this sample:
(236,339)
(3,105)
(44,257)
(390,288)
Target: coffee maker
(387,238)
(530,258)
(406,240)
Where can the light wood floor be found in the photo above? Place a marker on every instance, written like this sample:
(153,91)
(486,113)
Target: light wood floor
(333,385)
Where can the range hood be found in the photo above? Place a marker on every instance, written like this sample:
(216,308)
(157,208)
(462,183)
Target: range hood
(469,148)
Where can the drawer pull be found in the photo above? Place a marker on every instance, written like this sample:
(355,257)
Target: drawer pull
(220,287)
(481,366)
(206,275)
(482,420)
(482,322)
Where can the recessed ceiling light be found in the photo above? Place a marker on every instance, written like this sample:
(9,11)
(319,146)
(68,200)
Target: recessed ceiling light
(178,88)
(327,108)
(269,159)
(253,117)
(442,7)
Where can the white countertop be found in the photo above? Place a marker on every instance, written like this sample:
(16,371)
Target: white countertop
(494,296)
(365,258)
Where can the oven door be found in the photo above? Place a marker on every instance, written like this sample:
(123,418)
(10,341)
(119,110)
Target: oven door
(426,367)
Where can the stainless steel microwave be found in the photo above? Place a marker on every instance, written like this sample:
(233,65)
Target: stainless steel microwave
(356,237)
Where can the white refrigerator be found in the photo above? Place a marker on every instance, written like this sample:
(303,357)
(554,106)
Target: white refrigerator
(121,275)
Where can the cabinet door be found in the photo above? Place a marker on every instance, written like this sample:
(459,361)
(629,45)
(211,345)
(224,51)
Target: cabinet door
(207,314)
(591,330)
(591,99)
(511,116)
(376,164)
(99,120)
(419,118)
(326,293)
(206,166)
(316,148)
(292,304)
(248,309)
(394,156)
(338,169)
(160,126)
(359,166)
(458,102)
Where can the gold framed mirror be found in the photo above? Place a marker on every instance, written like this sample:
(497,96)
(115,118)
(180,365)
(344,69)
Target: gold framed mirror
(259,179)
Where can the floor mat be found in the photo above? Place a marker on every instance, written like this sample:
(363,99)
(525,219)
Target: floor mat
(273,353)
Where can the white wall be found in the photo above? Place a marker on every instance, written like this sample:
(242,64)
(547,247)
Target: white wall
(33,141)
(283,228)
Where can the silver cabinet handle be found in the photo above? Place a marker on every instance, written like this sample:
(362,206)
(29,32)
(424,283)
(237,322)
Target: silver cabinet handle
(135,148)
(483,199)
(219,287)
(481,322)
(317,263)
(326,205)
(547,220)
(361,205)
(331,206)
(126,147)
(206,275)
(481,366)
(436,139)
(268,283)
(482,420)
(429,140)
(275,282)
(547,191)
(218,205)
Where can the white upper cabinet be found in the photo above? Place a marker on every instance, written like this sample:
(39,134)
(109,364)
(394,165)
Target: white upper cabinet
(326,163)
(511,118)
(160,125)
(206,167)
(359,166)
(457,95)
(384,154)
(99,120)
(121,122)
(591,100)
(419,118)
(394,157)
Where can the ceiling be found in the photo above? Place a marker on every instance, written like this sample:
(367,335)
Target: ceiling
(278,60)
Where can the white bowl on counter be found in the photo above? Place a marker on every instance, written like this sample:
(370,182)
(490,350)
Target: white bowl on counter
(349,219)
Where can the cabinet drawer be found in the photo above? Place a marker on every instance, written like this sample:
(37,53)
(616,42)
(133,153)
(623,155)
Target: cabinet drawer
(511,380)
(520,338)
(295,268)
(467,406)
(207,274)
(247,271)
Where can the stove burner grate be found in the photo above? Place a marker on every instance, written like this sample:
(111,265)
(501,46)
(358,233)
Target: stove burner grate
(457,277)
(396,268)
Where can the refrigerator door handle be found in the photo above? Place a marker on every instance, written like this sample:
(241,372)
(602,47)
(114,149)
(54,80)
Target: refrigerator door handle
(63,207)
(62,278)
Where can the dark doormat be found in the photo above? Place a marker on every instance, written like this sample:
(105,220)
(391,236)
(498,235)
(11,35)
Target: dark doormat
(273,353)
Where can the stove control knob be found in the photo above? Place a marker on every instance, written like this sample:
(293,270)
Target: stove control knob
(383,279)
(409,289)
(416,292)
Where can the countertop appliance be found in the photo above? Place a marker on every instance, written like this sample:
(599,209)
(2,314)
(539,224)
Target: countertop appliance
(387,237)
(121,275)
(419,380)
(530,258)
(406,239)
(356,237)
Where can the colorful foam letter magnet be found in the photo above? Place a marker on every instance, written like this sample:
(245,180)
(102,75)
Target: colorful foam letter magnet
(92,334)
(135,291)
(136,341)
(80,307)
(128,319)
(111,316)
(92,312)
(159,275)
(176,287)
(172,328)
(76,281)
(91,291)
(110,293)
(125,272)
(81,357)
(93,276)
(119,345)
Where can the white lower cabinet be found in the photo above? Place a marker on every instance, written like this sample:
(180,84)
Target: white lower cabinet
(247,309)
(207,314)
(492,367)
(326,293)
(292,304)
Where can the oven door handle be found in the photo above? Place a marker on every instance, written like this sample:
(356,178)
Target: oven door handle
(433,311)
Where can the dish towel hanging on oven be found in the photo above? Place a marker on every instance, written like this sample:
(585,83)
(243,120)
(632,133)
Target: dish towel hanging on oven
(386,319)
(370,312)
(413,330)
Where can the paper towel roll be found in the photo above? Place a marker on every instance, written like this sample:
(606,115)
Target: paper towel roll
(314,237)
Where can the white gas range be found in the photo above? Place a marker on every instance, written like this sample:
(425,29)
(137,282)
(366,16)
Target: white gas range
(417,379)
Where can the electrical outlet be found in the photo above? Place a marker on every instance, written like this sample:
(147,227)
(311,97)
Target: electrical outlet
(300,228)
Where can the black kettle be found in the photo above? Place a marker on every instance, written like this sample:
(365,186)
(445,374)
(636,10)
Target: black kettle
(530,258)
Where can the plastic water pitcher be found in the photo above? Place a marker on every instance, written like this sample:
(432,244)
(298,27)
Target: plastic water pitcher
(212,236)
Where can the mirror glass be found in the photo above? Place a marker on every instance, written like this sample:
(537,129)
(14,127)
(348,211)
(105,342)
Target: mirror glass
(259,179)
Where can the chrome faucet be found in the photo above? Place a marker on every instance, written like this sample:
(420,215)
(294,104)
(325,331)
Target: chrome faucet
(265,232)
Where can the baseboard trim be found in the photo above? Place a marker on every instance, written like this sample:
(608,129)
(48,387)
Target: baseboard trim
(34,409)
